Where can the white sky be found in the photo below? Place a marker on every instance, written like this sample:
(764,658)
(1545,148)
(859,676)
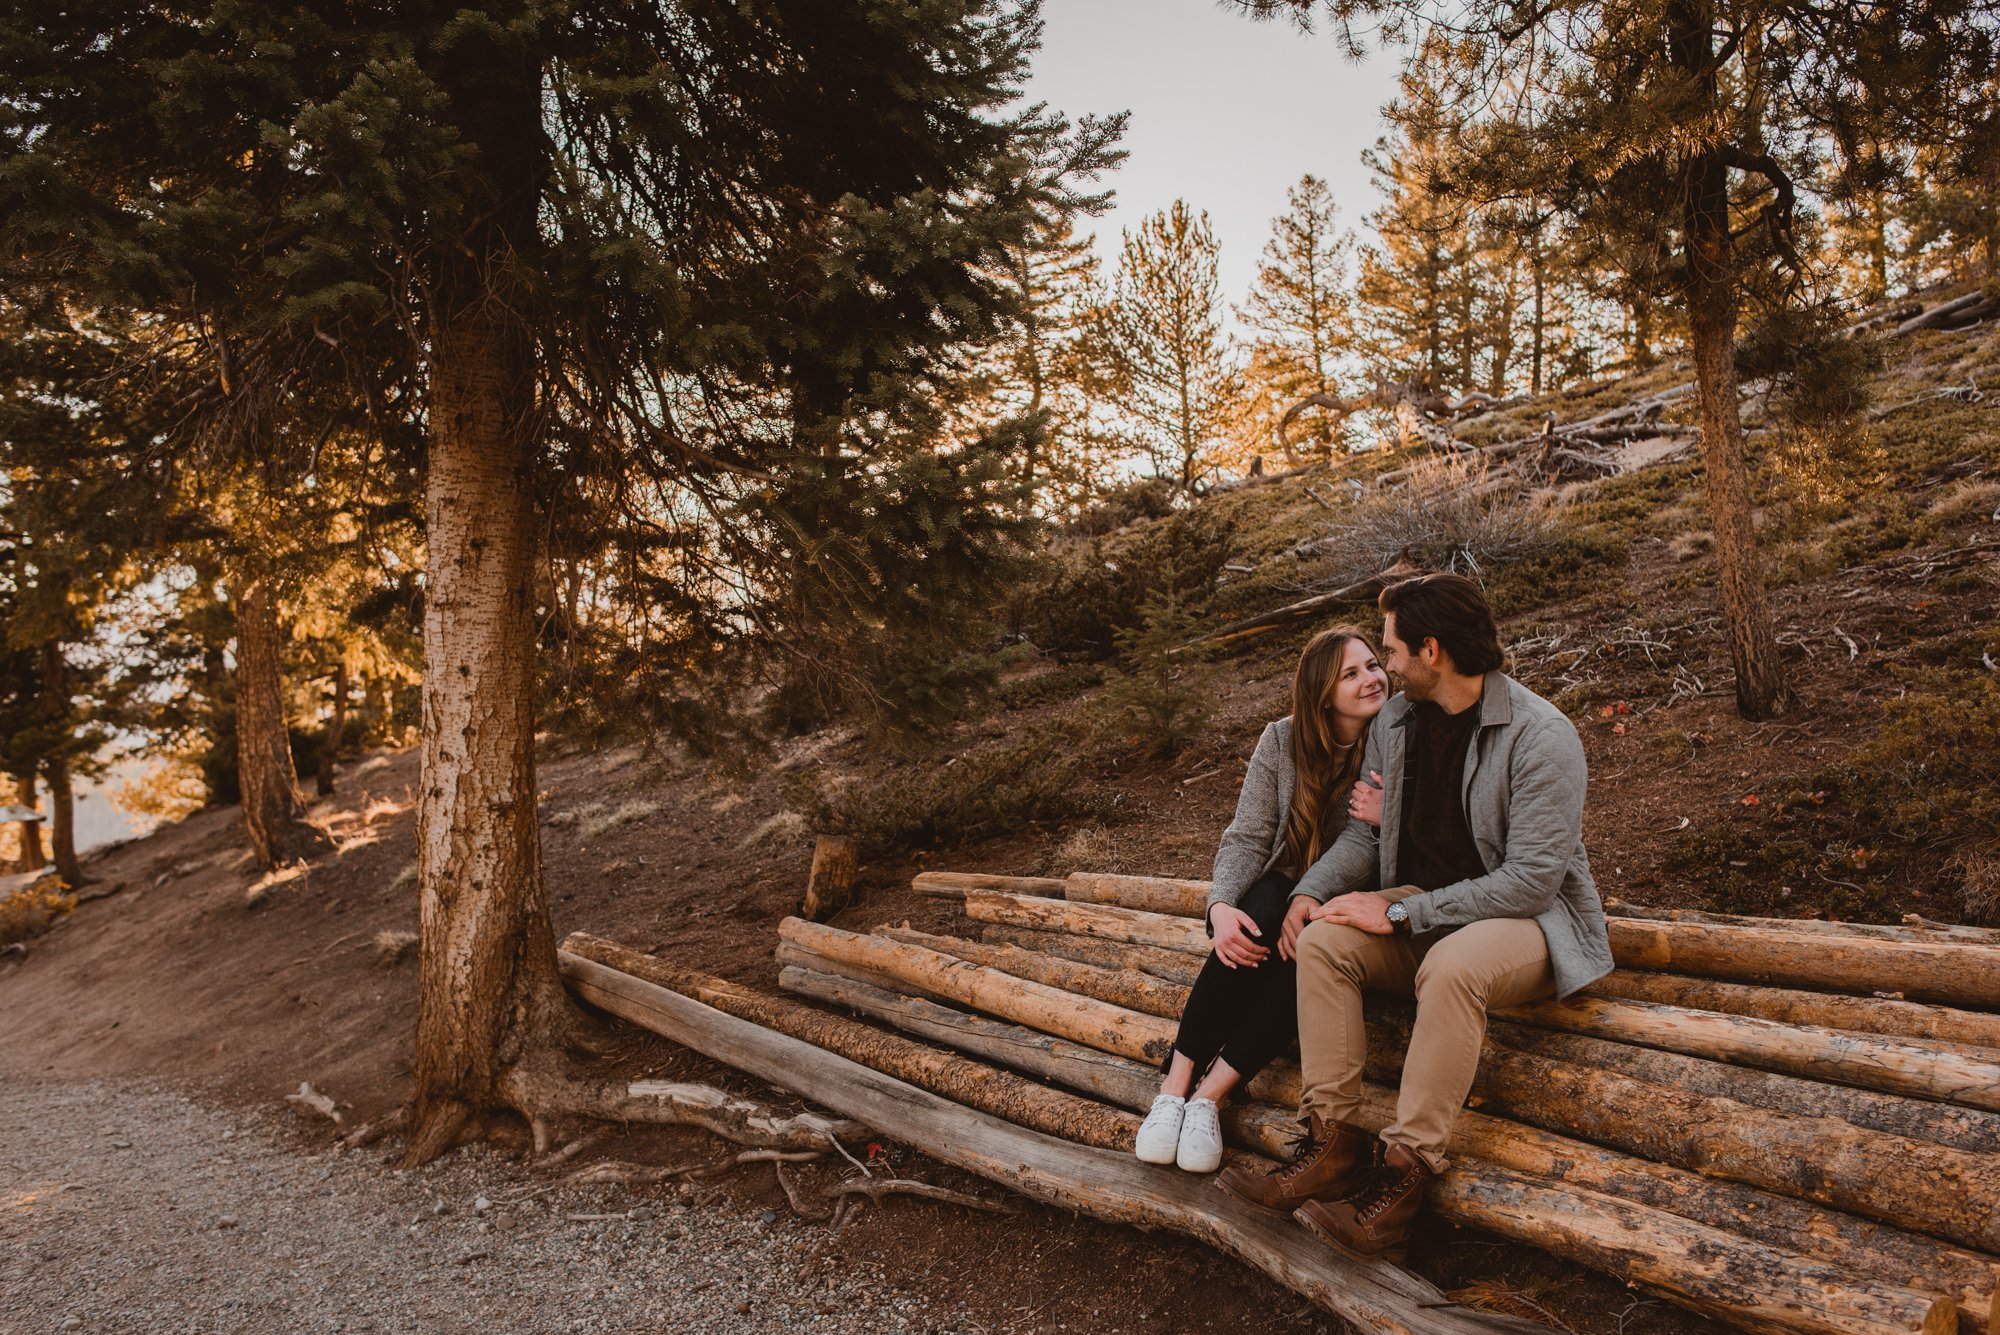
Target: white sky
(1227,113)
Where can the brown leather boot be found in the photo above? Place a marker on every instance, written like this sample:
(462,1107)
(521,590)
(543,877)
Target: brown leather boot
(1329,1161)
(1373,1221)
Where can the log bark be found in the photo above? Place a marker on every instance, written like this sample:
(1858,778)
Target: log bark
(1020,1101)
(1121,987)
(1939,314)
(1953,973)
(1933,1188)
(1173,966)
(1152,894)
(1050,1009)
(1748,1284)
(1911,929)
(1920,1119)
(1920,1067)
(1098,920)
(1865,1247)
(1349,595)
(954,884)
(491,1010)
(1105,1184)
(830,885)
(1909,1183)
(1873,1015)
(274,810)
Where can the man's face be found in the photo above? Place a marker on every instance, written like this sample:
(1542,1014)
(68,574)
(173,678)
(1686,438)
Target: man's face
(1414,668)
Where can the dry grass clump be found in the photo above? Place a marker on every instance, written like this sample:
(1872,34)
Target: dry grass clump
(33,909)
(598,818)
(393,946)
(406,879)
(1979,887)
(1976,499)
(1089,848)
(1451,513)
(1691,545)
(787,827)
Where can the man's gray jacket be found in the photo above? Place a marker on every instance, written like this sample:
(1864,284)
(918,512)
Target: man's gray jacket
(1524,784)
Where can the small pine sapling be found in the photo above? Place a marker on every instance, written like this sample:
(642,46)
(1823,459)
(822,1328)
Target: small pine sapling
(1165,697)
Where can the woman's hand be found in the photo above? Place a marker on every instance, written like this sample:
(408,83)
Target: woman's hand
(1297,915)
(1235,937)
(1364,800)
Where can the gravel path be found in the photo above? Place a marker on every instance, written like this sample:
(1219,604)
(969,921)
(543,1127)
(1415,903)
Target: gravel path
(128,1208)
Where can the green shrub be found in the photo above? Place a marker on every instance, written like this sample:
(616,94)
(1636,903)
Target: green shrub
(1165,696)
(33,909)
(1575,561)
(1100,588)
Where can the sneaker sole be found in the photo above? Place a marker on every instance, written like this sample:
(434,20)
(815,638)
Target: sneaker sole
(1198,1168)
(1394,1255)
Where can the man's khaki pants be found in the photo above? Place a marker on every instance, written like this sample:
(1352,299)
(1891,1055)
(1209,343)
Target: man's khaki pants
(1456,978)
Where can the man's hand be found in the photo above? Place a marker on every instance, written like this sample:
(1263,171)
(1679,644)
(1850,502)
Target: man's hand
(1297,915)
(1364,909)
(1235,933)
(1364,800)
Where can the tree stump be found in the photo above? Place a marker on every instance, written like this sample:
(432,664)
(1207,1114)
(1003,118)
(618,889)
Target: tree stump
(836,859)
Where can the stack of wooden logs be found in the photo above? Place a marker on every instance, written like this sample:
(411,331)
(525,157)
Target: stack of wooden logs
(1786,1126)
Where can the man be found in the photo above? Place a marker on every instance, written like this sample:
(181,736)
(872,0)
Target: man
(1492,905)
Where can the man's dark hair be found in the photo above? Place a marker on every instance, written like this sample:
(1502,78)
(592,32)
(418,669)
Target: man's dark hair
(1451,610)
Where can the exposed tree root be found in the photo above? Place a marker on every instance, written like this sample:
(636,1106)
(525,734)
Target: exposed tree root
(874,1189)
(370,1132)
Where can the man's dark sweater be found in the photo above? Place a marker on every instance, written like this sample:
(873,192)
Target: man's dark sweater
(1437,848)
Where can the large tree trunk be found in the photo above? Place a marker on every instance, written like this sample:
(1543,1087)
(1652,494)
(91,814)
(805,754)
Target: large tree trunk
(335,733)
(1711,289)
(274,810)
(490,1006)
(31,857)
(55,769)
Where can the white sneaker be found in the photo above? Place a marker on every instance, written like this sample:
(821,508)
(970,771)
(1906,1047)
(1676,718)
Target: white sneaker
(1160,1134)
(1200,1148)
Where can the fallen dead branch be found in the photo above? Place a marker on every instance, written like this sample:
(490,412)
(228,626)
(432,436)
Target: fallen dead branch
(874,1189)
(308,1097)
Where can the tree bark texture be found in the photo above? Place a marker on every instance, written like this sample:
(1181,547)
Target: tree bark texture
(1711,286)
(1945,972)
(1171,966)
(1868,1015)
(31,857)
(491,1008)
(274,810)
(1133,926)
(1754,1285)
(830,885)
(1862,1246)
(1912,928)
(55,769)
(1105,1184)
(336,731)
(1151,894)
(954,884)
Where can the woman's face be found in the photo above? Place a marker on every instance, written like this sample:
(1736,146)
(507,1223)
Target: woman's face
(1360,686)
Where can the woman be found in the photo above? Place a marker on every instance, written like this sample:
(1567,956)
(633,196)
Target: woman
(1300,789)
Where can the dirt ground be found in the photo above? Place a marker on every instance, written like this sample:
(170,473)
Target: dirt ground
(167,974)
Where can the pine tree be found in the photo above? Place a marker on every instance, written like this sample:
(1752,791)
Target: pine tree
(1697,122)
(1176,379)
(709,258)
(1165,697)
(1300,305)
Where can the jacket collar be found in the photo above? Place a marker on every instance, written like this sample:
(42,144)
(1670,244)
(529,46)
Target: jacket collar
(1496,703)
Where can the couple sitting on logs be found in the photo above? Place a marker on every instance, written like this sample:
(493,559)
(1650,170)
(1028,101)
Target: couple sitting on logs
(1455,871)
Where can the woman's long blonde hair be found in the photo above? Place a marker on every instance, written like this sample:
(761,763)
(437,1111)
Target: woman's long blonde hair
(1325,769)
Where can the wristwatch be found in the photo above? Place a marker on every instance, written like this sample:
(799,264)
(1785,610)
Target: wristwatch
(1399,919)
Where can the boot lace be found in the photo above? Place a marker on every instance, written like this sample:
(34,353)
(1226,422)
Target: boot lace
(1384,1187)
